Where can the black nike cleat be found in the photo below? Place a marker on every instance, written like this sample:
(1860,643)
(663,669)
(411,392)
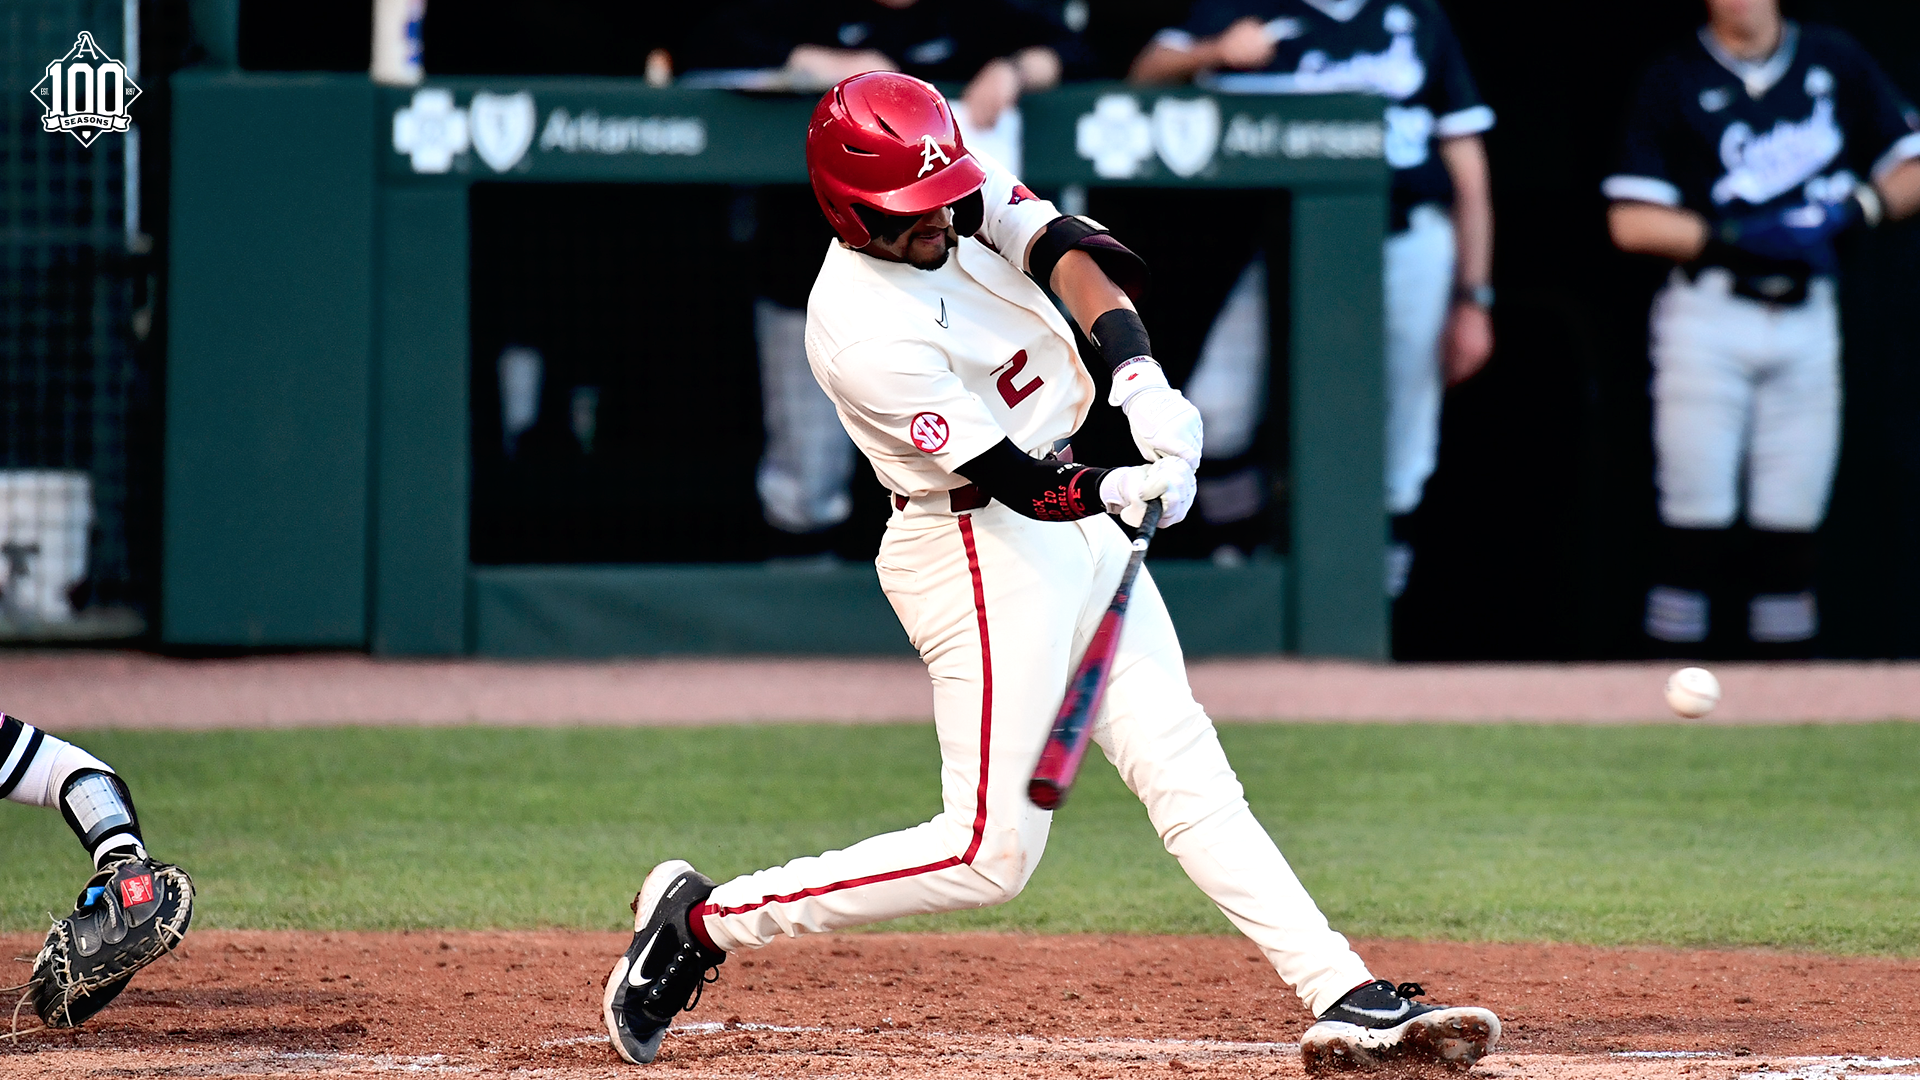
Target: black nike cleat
(665,969)
(1380,1024)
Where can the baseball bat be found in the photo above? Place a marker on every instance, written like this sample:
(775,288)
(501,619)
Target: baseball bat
(1073,724)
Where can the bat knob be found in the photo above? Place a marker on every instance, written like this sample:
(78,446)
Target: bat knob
(1046,794)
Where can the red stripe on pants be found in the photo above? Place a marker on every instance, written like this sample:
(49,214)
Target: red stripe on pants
(980,793)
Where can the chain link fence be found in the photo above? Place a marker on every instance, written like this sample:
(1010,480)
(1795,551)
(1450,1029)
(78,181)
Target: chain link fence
(75,308)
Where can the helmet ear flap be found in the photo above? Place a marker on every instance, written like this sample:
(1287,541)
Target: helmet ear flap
(969,213)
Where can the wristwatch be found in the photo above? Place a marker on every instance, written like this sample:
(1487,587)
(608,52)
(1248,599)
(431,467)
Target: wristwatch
(1477,295)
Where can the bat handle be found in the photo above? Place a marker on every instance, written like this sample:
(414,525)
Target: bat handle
(1150,521)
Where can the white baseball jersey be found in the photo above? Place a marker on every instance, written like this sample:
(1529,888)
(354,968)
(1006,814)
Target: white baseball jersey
(930,368)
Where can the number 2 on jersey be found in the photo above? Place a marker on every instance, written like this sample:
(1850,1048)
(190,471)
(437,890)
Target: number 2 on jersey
(1009,393)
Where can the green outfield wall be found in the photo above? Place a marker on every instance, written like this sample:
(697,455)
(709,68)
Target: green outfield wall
(318,430)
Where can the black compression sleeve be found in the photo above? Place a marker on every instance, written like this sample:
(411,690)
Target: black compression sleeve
(1120,336)
(1042,490)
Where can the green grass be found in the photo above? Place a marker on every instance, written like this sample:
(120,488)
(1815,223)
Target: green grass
(1794,837)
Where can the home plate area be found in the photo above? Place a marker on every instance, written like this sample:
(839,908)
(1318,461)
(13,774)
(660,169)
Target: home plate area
(260,1003)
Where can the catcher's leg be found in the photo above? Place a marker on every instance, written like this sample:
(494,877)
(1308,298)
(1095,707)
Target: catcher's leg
(131,912)
(40,770)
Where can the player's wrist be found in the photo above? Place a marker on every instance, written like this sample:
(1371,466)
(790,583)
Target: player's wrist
(1134,377)
(1120,338)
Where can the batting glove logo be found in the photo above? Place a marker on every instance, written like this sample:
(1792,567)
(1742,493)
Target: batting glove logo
(928,431)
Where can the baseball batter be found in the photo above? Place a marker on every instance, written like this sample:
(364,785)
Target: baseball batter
(1749,150)
(954,373)
(131,912)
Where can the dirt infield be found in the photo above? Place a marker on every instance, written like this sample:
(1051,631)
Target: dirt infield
(73,691)
(260,1003)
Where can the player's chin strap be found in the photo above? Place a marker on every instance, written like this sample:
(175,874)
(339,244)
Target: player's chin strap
(1079,233)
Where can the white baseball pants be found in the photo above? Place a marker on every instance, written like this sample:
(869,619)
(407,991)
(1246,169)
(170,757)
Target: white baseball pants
(1001,608)
(1228,384)
(1740,382)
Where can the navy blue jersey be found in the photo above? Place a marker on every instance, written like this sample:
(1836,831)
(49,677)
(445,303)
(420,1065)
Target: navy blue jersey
(1729,138)
(936,40)
(1403,50)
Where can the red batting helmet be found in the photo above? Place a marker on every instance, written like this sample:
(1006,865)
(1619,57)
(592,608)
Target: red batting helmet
(886,141)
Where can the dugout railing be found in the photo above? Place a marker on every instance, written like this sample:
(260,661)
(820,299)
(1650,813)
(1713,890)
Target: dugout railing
(318,453)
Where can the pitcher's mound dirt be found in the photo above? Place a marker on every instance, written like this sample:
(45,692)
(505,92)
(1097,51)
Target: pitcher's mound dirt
(253,1003)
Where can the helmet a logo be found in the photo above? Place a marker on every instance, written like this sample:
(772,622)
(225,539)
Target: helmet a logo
(928,151)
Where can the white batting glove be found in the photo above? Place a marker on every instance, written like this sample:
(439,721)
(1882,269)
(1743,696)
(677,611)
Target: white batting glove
(1164,423)
(1127,491)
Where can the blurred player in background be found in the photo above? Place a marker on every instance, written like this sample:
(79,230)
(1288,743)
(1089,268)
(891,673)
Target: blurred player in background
(1750,150)
(998,49)
(132,910)
(1439,251)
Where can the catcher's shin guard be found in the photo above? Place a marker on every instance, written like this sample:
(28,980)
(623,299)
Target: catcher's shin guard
(131,913)
(665,967)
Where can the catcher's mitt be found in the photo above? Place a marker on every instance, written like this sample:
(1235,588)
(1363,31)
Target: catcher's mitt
(131,913)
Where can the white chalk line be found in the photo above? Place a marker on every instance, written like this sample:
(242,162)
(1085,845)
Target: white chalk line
(1765,1067)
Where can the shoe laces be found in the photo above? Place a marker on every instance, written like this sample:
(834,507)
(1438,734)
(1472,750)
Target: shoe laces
(688,965)
(1410,990)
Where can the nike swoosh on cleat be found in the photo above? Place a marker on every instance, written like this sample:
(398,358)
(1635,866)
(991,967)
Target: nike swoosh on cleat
(633,973)
(1383,1014)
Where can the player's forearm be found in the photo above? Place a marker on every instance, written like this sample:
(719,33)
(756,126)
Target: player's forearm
(1038,66)
(1466,161)
(1086,290)
(1042,490)
(1161,64)
(1900,190)
(1648,229)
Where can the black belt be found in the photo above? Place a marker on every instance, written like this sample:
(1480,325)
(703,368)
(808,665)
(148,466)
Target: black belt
(959,499)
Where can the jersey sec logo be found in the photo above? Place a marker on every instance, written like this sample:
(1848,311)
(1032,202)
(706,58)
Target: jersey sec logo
(928,431)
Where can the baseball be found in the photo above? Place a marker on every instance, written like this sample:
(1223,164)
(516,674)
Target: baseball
(1692,692)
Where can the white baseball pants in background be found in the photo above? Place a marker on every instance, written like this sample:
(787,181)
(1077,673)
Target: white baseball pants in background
(1228,384)
(808,461)
(1001,608)
(1735,382)
(1419,267)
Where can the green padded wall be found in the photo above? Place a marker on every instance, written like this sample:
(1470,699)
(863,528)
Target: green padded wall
(268,380)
